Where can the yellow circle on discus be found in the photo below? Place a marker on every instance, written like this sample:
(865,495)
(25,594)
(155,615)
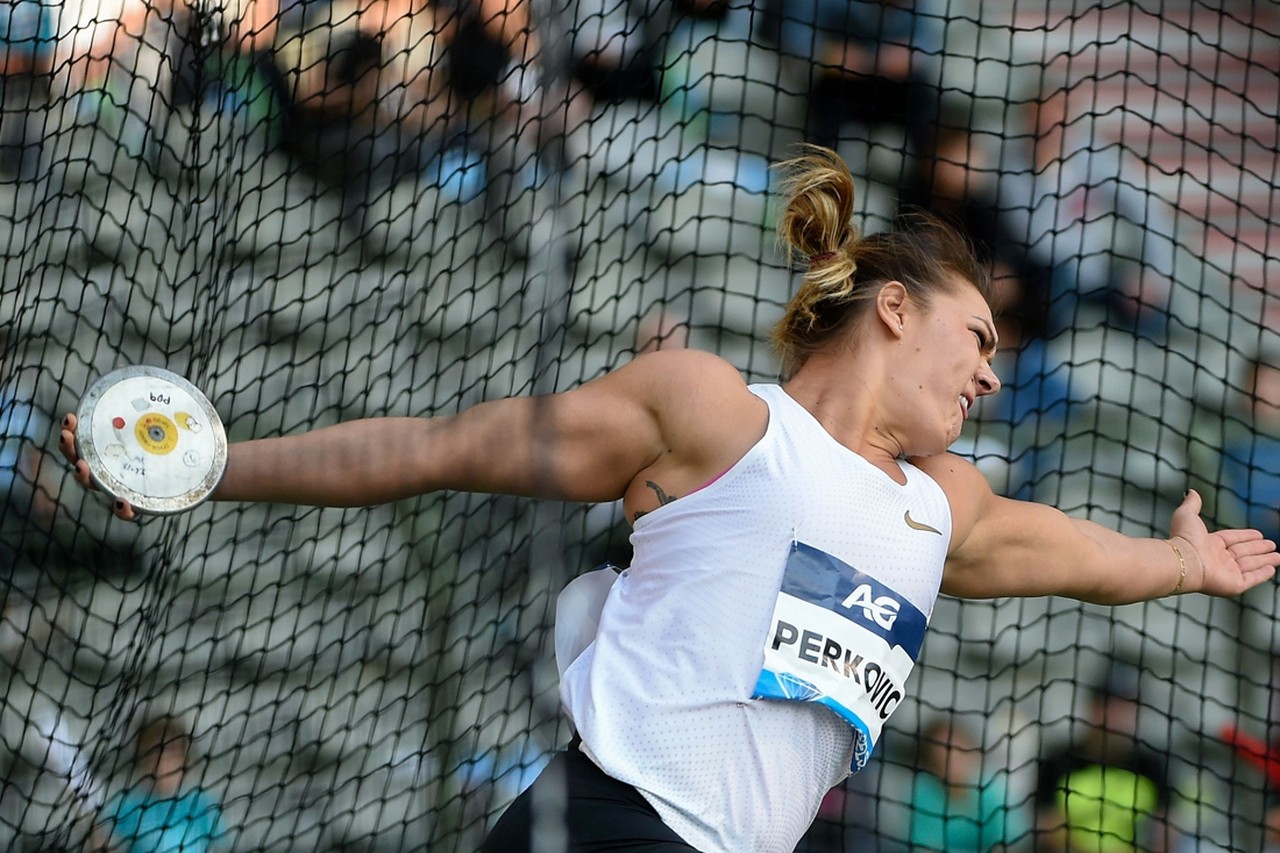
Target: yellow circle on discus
(156,434)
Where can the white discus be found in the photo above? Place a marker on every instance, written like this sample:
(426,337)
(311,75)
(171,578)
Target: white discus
(151,438)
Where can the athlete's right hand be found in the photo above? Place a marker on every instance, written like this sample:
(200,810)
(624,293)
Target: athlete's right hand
(120,507)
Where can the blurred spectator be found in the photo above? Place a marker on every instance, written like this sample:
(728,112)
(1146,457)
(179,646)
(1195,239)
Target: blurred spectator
(250,25)
(1260,752)
(161,811)
(1257,753)
(41,527)
(1271,813)
(959,184)
(383,91)
(1032,406)
(331,68)
(1104,790)
(955,805)
(1271,826)
(226,55)
(617,48)
(1035,384)
(613,53)
(1250,456)
(874,61)
(104,37)
(48,793)
(405,69)
(27,30)
(125,66)
(111,44)
(1270,764)
(28,487)
(1081,204)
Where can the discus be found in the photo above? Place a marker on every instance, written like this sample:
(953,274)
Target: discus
(151,438)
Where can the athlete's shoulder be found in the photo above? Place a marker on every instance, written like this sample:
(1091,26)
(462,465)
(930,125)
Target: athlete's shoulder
(687,373)
(706,416)
(959,478)
(682,380)
(691,363)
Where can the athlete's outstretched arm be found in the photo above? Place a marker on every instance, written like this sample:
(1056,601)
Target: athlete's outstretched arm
(585,444)
(1004,547)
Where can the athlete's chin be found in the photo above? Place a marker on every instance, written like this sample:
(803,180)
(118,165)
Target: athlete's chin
(924,451)
(923,446)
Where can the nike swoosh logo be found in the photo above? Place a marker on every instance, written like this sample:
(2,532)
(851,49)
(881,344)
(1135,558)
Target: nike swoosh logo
(916,525)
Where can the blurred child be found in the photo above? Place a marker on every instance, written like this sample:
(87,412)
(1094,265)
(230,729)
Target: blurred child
(953,807)
(161,812)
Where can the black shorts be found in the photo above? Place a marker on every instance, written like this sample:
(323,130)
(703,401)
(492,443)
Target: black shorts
(600,814)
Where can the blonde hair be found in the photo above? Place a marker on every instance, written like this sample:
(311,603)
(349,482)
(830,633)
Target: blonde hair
(845,268)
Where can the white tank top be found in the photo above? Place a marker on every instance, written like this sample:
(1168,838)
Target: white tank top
(663,697)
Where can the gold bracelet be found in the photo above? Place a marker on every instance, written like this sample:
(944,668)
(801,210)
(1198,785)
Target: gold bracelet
(1182,567)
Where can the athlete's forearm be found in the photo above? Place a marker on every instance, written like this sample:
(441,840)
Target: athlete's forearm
(503,446)
(350,464)
(1129,569)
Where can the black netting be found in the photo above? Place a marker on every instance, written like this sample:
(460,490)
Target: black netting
(324,209)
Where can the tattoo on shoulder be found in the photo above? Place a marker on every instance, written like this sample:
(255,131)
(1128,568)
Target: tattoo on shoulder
(663,497)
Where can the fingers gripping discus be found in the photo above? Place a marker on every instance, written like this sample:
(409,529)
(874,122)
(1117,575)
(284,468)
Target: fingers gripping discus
(150,437)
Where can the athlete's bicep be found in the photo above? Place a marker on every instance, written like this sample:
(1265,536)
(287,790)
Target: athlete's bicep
(668,407)
(597,437)
(1000,546)
(1016,548)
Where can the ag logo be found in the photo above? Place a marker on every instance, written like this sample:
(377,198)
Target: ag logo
(883,610)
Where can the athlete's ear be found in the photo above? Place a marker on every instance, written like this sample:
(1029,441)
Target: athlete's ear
(892,302)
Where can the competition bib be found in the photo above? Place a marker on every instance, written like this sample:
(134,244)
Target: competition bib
(842,639)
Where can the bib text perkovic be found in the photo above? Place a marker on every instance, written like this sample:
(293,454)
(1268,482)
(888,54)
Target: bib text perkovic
(842,639)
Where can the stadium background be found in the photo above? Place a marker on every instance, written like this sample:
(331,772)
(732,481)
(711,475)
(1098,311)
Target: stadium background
(381,679)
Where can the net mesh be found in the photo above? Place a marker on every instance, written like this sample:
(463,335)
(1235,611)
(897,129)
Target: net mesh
(318,211)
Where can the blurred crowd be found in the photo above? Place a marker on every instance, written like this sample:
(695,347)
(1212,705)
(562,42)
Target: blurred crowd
(479,102)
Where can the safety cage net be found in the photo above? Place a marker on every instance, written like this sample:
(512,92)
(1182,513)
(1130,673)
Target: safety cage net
(318,210)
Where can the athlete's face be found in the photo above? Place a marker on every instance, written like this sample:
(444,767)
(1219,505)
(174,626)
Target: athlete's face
(949,350)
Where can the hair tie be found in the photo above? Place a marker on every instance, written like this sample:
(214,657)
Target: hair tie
(821,257)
